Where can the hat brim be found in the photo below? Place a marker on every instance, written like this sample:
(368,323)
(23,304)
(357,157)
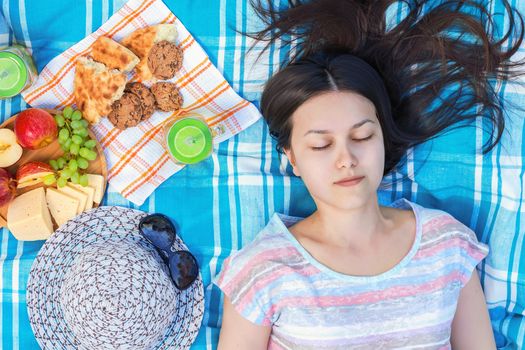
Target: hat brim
(56,258)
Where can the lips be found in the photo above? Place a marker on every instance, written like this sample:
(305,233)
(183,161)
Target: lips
(350,181)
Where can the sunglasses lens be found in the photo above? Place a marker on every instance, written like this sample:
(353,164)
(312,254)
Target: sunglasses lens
(184,269)
(159,230)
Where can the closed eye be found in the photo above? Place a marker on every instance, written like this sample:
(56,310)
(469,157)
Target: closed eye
(328,145)
(364,139)
(320,148)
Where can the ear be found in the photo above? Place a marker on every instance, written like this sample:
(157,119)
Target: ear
(291,158)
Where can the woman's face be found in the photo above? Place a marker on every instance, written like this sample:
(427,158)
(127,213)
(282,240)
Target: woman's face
(337,149)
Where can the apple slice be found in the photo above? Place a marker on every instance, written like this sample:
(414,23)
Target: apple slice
(32,173)
(10,150)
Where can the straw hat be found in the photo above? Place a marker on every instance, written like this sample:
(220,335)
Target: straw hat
(98,284)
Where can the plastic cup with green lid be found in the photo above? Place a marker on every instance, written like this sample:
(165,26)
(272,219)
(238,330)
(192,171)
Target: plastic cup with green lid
(189,140)
(13,74)
(17,71)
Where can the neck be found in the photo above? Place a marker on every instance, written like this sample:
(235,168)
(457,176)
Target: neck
(355,228)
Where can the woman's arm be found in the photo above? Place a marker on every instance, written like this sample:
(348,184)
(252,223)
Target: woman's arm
(239,333)
(471,327)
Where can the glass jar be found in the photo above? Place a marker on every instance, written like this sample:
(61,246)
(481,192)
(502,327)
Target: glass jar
(188,139)
(17,71)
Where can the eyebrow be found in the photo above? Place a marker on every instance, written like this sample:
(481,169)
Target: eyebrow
(355,126)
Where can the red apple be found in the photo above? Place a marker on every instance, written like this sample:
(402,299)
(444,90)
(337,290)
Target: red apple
(10,150)
(35,128)
(7,187)
(32,173)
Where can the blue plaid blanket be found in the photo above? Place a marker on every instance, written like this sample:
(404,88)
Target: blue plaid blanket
(222,203)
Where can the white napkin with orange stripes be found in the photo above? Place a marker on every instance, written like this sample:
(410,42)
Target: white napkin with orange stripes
(136,158)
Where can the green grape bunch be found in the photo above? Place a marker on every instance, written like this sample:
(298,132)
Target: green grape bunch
(78,147)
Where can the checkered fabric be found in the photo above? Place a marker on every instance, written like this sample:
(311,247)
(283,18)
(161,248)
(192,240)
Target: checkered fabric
(221,203)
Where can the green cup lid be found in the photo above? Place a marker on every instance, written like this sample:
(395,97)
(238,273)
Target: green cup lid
(189,140)
(13,74)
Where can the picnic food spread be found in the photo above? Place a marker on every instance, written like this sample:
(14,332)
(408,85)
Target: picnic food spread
(47,192)
(101,82)
(29,214)
(7,187)
(35,128)
(96,87)
(54,178)
(113,55)
(147,100)
(28,217)
(10,150)
(126,111)
(167,96)
(164,60)
(143,40)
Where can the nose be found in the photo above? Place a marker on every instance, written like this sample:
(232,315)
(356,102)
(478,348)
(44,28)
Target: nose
(346,158)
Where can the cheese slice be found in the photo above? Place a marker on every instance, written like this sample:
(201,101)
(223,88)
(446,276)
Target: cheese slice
(97,182)
(28,218)
(89,191)
(80,196)
(62,206)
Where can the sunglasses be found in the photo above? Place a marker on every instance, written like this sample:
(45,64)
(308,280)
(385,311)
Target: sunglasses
(159,230)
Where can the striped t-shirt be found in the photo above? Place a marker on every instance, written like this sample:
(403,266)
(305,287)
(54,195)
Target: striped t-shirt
(275,281)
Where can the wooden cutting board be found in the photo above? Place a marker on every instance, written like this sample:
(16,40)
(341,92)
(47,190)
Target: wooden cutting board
(51,151)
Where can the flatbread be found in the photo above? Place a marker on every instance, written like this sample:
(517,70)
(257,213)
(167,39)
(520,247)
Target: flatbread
(142,40)
(113,55)
(96,88)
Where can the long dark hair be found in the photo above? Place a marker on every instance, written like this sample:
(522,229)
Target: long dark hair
(438,68)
